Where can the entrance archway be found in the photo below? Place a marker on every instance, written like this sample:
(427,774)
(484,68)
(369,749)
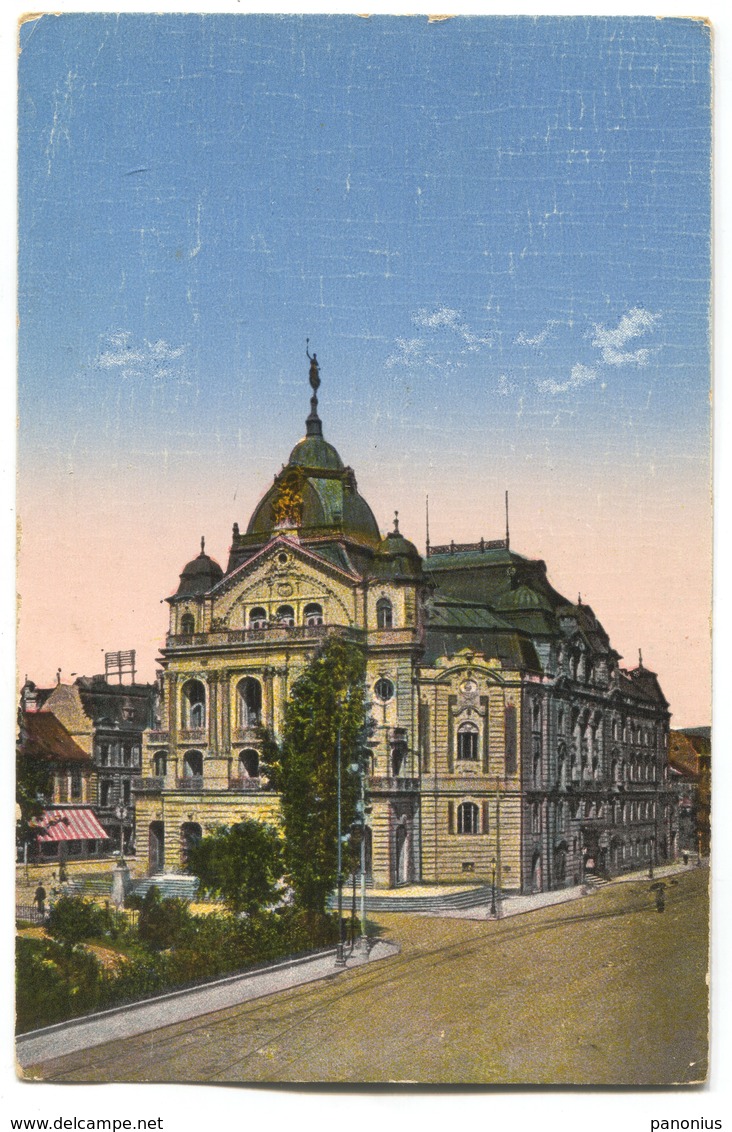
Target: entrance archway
(536,873)
(156,848)
(190,834)
(401,854)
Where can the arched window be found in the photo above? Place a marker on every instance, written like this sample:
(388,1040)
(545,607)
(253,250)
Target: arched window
(258,618)
(248,764)
(193,765)
(467,741)
(160,764)
(562,764)
(384,614)
(313,614)
(249,701)
(193,705)
(398,759)
(468,818)
(285,616)
(561,816)
(187,624)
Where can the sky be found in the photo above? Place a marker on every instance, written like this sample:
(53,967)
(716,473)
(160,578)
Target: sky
(495,232)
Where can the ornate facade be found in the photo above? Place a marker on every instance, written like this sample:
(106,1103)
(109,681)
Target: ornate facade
(508,740)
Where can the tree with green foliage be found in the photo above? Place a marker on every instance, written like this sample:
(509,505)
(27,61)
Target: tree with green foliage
(32,787)
(242,864)
(326,710)
(162,920)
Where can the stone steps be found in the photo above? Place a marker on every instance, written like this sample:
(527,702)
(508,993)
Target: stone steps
(182,887)
(439,902)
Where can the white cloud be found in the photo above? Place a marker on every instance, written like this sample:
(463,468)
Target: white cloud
(523,339)
(505,386)
(580,375)
(610,341)
(437,348)
(148,360)
(447,318)
(408,352)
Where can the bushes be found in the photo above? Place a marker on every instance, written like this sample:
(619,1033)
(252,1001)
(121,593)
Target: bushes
(61,981)
(73,919)
(162,921)
(54,983)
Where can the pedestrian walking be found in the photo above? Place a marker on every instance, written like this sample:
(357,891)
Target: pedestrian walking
(40,899)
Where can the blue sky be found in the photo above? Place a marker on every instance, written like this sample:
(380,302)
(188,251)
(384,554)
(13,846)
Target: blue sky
(494,231)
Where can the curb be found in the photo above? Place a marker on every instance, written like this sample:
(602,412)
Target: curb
(122,1022)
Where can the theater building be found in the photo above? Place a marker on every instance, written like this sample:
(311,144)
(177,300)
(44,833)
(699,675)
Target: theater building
(508,739)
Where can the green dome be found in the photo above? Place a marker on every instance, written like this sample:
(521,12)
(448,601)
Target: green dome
(396,556)
(314,452)
(523,597)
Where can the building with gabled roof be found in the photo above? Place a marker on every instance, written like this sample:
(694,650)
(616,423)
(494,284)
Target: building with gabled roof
(107,721)
(508,740)
(64,823)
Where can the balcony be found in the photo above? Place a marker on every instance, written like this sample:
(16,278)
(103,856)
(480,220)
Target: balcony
(268,635)
(192,784)
(381,784)
(151,785)
(193,735)
(158,736)
(247,784)
(248,734)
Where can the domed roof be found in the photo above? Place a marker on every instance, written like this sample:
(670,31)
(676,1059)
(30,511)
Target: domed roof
(199,575)
(316,492)
(397,556)
(523,597)
(315,452)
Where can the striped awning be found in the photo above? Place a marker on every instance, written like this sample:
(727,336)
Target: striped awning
(75,824)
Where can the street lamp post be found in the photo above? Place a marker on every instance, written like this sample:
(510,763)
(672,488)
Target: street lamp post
(494,910)
(120,873)
(340,957)
(121,815)
(650,859)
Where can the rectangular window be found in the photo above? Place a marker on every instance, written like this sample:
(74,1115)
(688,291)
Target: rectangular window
(75,785)
(510,738)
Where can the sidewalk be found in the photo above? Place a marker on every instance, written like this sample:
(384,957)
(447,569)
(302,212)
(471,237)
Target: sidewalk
(517,905)
(179,1006)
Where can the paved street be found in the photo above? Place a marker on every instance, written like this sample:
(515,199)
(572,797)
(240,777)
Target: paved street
(602,990)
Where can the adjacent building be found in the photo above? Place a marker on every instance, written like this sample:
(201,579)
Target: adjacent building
(508,739)
(106,721)
(64,825)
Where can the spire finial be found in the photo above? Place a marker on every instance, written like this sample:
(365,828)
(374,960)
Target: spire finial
(640,659)
(508,538)
(396,522)
(313,424)
(203,544)
(579,599)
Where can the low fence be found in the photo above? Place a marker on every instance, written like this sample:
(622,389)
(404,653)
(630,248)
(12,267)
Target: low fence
(30,913)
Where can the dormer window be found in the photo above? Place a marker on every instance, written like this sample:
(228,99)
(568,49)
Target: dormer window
(384,614)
